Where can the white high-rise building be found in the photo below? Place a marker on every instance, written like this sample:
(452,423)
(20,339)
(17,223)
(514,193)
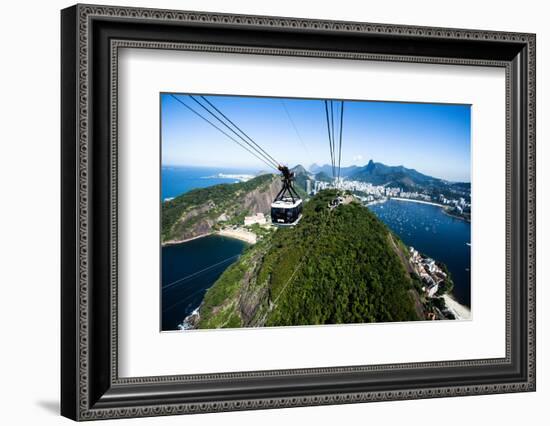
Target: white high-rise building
(308,187)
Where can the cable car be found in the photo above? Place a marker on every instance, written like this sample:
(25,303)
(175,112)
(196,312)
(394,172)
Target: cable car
(335,202)
(286,209)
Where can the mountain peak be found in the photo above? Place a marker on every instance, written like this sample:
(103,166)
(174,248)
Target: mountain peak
(370,166)
(299,169)
(314,166)
(381,174)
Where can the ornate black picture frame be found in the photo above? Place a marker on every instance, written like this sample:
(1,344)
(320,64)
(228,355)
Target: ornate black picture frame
(91,36)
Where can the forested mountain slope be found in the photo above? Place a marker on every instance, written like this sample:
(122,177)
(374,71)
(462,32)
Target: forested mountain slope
(336,266)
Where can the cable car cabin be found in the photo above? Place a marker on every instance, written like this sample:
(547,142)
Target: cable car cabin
(286,211)
(286,208)
(335,202)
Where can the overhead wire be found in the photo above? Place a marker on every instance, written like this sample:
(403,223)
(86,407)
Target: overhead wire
(341,129)
(197,273)
(255,144)
(194,275)
(333,139)
(269,164)
(273,304)
(295,128)
(236,132)
(258,152)
(329,136)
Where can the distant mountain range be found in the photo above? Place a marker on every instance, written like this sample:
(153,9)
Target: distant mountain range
(381,174)
(394,176)
(327,169)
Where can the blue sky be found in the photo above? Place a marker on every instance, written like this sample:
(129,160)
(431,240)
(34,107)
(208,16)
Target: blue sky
(431,138)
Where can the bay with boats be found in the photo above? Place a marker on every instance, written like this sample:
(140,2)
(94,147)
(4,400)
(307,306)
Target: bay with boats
(191,267)
(430,230)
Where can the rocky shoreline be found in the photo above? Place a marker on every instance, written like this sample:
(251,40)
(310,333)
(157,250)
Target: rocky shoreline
(190,321)
(447,211)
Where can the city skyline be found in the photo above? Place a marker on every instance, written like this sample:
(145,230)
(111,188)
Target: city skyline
(433,139)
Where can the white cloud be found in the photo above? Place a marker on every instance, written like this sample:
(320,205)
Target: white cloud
(357,157)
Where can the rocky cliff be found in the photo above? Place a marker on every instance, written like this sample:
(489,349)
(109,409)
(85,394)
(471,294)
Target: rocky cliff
(201,211)
(259,200)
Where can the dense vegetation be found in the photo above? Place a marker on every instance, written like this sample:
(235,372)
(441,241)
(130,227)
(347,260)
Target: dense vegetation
(214,200)
(344,268)
(222,305)
(336,266)
(447,285)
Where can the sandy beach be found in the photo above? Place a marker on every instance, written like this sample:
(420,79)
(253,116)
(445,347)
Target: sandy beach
(444,207)
(172,242)
(461,312)
(412,200)
(239,234)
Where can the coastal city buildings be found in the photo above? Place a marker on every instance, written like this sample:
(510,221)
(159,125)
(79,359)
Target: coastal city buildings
(309,186)
(428,271)
(368,193)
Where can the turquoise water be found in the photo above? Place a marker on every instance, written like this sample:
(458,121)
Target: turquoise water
(189,269)
(434,233)
(176,180)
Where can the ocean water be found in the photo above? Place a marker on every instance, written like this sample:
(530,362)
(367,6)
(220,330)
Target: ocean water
(432,232)
(176,180)
(189,269)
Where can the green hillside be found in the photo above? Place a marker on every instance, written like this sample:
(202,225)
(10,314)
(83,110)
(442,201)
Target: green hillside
(336,266)
(199,210)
